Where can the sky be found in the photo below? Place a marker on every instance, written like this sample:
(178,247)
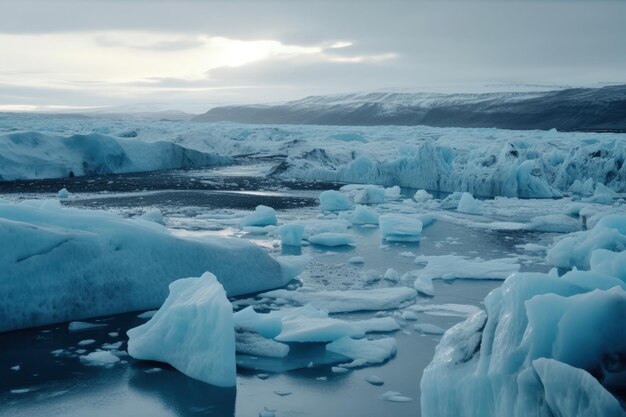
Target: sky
(194,55)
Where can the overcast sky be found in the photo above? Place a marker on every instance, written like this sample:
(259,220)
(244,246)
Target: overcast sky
(193,55)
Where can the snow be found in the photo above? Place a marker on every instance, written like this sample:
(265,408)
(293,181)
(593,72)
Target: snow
(30,155)
(262,216)
(535,350)
(468,205)
(364,351)
(332,200)
(69,263)
(400,228)
(340,301)
(450,267)
(575,249)
(291,234)
(99,358)
(332,239)
(193,331)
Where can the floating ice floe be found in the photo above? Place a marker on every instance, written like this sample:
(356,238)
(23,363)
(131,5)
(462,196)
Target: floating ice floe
(457,267)
(339,301)
(332,200)
(547,345)
(421,196)
(77,326)
(308,324)
(460,310)
(371,194)
(193,331)
(428,328)
(400,228)
(99,358)
(261,216)
(332,239)
(63,194)
(64,263)
(575,249)
(364,351)
(253,344)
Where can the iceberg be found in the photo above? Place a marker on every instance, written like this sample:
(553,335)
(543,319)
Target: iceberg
(291,234)
(261,216)
(400,228)
(62,264)
(332,200)
(193,331)
(545,345)
(31,155)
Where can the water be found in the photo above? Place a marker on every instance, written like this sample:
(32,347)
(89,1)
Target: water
(59,385)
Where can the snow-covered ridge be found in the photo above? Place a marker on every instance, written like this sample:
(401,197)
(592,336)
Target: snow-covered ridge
(571,109)
(28,155)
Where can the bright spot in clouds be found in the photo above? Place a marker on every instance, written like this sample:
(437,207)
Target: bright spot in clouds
(89,60)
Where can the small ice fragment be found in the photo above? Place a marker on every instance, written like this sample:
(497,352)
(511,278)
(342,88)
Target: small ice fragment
(322,378)
(63,194)
(356,260)
(86,342)
(392,275)
(409,315)
(428,328)
(262,376)
(339,370)
(113,334)
(267,413)
(147,314)
(20,390)
(395,396)
(77,326)
(100,358)
(374,380)
(282,393)
(16,368)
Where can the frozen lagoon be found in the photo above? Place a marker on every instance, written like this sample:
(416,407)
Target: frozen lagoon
(58,384)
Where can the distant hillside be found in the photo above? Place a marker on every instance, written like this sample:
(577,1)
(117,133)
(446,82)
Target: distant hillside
(593,109)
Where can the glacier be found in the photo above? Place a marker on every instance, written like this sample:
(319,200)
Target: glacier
(62,264)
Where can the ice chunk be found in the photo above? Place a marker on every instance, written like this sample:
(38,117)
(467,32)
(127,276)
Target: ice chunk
(392,275)
(375,380)
(392,193)
(154,215)
(63,194)
(421,196)
(193,331)
(428,328)
(267,325)
(256,345)
(261,216)
(86,342)
(291,234)
(147,314)
(348,300)
(424,285)
(377,324)
(332,200)
(491,364)
(557,223)
(454,267)
(468,205)
(460,310)
(576,248)
(364,351)
(65,263)
(77,326)
(332,239)
(400,228)
(364,215)
(395,397)
(371,194)
(99,358)
(356,260)
(308,324)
